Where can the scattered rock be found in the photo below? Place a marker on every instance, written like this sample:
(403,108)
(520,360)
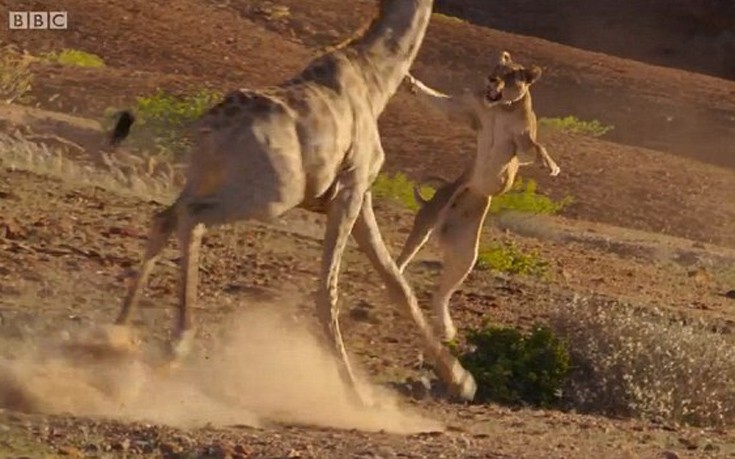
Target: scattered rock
(700,276)
(244,451)
(420,388)
(126,231)
(168,448)
(363,313)
(688,443)
(730,294)
(70,451)
(669,455)
(11,229)
(9,195)
(121,445)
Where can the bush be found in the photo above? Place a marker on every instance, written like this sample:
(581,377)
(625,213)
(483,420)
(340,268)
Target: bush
(161,118)
(646,363)
(15,76)
(399,188)
(509,258)
(523,197)
(75,57)
(19,153)
(511,367)
(574,125)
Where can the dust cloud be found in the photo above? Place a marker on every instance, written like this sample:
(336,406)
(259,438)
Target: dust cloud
(265,368)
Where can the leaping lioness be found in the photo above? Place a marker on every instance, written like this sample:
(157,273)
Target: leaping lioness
(503,117)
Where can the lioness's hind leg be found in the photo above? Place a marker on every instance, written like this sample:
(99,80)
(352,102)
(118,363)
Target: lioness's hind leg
(425,221)
(423,224)
(459,238)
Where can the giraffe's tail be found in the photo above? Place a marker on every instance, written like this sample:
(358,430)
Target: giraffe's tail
(122,128)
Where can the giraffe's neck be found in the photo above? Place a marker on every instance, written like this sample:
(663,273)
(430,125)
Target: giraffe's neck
(390,45)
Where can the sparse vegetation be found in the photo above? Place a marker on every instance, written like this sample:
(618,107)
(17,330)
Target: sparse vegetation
(512,367)
(161,118)
(610,358)
(522,198)
(502,257)
(398,188)
(18,153)
(15,76)
(507,257)
(272,12)
(574,125)
(643,362)
(74,57)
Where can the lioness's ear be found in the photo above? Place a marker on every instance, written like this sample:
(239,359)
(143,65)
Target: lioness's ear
(532,74)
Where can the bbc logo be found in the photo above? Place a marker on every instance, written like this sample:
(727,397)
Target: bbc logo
(21,20)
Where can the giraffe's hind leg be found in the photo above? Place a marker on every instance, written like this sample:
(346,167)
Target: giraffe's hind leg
(424,223)
(164,223)
(420,233)
(367,234)
(341,216)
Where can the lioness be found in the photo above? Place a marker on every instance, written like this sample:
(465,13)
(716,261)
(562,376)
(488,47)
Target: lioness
(503,117)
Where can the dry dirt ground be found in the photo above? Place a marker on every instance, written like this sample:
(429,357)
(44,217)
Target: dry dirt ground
(653,205)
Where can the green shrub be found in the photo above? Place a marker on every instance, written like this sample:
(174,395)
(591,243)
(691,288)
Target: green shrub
(574,125)
(15,76)
(162,118)
(173,110)
(523,197)
(75,57)
(644,362)
(511,367)
(399,188)
(509,258)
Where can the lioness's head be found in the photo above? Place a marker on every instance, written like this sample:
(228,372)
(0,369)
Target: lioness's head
(509,82)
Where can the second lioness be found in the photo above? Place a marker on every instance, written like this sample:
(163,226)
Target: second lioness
(503,117)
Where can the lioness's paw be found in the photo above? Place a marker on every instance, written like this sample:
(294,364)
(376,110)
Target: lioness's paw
(555,170)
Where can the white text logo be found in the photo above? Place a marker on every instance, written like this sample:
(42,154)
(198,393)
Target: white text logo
(41,20)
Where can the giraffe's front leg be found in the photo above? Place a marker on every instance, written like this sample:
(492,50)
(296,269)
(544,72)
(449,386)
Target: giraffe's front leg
(459,381)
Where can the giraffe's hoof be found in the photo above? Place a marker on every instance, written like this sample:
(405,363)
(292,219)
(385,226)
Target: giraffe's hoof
(182,345)
(166,368)
(464,386)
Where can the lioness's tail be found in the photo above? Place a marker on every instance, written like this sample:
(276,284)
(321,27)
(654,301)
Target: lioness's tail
(430,180)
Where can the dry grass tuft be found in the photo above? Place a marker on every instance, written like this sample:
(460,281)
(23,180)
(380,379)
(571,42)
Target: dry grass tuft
(629,361)
(15,76)
(139,180)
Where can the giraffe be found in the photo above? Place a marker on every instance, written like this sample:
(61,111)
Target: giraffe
(310,142)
